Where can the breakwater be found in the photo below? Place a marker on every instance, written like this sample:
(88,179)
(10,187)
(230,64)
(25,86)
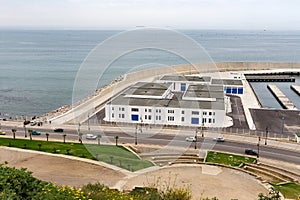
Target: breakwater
(281,98)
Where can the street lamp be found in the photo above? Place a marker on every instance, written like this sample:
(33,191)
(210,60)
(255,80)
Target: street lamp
(266,136)
(282,125)
(196,138)
(136,127)
(258,146)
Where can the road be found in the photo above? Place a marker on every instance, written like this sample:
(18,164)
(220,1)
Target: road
(237,147)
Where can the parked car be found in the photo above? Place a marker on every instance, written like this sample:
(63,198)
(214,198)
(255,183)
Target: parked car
(251,152)
(91,137)
(26,122)
(60,130)
(36,133)
(219,139)
(191,139)
(33,123)
(2,133)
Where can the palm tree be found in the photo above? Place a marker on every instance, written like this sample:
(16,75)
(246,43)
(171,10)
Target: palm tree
(64,136)
(99,138)
(30,134)
(80,137)
(116,138)
(14,132)
(47,136)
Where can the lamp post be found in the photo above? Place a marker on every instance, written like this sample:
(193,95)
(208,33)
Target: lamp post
(196,138)
(266,136)
(136,127)
(258,143)
(282,125)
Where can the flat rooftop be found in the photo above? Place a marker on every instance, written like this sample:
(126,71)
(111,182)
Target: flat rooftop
(148,89)
(175,102)
(186,78)
(227,82)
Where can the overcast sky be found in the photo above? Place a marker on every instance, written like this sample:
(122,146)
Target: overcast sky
(178,14)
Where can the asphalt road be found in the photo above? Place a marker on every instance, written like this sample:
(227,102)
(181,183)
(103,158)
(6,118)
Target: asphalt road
(165,139)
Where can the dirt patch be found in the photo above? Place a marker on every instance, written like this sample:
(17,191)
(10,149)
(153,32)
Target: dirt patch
(62,171)
(203,181)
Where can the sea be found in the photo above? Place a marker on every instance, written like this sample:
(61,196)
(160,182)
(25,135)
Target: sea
(38,67)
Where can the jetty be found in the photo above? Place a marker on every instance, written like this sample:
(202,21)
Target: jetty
(296,88)
(281,98)
(269,78)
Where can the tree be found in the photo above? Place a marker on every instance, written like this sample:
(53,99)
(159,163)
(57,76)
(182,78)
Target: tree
(64,137)
(14,132)
(47,136)
(273,195)
(116,138)
(30,134)
(99,138)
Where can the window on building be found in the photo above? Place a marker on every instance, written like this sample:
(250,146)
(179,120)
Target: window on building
(134,117)
(204,113)
(119,108)
(150,110)
(195,112)
(112,108)
(134,109)
(195,120)
(213,121)
(112,115)
(149,117)
(182,119)
(183,87)
(158,111)
(120,116)
(159,117)
(210,113)
(204,120)
(123,109)
(214,113)
(182,112)
(145,109)
(174,86)
(170,111)
(170,118)
(145,116)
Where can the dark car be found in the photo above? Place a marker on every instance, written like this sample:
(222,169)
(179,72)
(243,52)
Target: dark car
(251,152)
(60,130)
(26,122)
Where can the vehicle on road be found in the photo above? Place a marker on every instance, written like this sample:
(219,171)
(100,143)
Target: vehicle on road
(59,130)
(2,133)
(36,133)
(191,139)
(219,139)
(91,137)
(251,152)
(26,123)
(33,123)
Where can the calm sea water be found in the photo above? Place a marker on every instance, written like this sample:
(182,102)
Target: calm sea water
(38,68)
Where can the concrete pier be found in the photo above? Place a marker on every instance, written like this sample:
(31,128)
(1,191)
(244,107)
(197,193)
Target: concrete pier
(281,98)
(296,88)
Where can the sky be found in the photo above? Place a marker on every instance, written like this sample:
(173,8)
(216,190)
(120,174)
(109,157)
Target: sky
(178,14)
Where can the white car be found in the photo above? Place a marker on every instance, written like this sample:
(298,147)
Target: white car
(91,137)
(219,139)
(190,139)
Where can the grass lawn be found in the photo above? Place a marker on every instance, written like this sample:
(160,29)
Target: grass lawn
(227,159)
(289,190)
(105,152)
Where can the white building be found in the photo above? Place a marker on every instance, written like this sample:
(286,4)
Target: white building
(185,101)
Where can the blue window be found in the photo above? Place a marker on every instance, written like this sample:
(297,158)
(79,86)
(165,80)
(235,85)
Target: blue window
(240,91)
(195,120)
(228,90)
(234,91)
(135,117)
(183,87)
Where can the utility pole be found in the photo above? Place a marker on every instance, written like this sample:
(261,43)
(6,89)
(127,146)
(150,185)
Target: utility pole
(136,127)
